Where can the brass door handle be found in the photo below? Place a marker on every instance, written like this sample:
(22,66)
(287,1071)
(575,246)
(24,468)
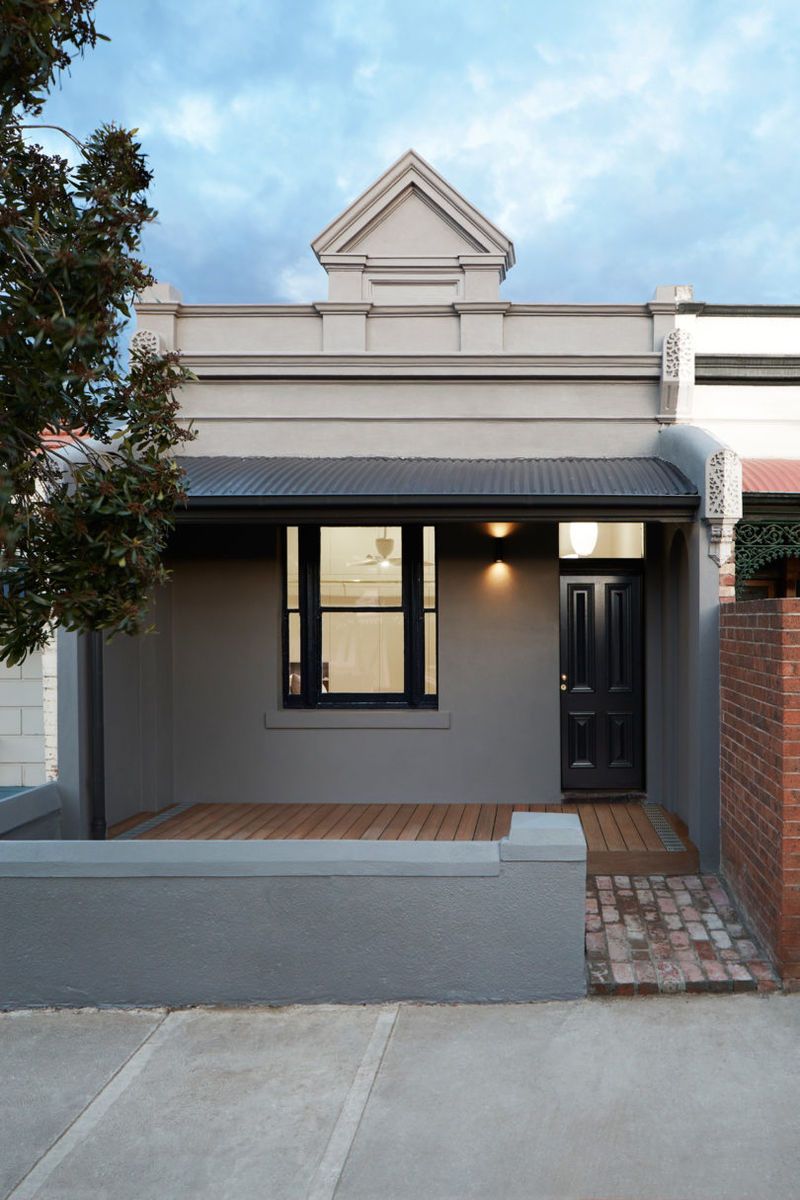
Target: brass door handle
(563,687)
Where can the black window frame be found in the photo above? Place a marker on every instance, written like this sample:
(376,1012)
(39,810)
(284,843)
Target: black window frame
(310,612)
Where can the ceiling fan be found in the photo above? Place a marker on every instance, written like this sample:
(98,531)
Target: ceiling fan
(384,546)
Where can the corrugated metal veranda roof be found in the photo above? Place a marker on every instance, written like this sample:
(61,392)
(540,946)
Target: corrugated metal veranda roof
(771,476)
(452,480)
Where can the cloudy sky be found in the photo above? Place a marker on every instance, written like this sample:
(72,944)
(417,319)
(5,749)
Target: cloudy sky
(620,144)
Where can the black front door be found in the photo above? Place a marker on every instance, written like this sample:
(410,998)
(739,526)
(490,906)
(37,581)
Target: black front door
(601,681)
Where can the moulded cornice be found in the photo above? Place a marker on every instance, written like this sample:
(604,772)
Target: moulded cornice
(371,365)
(190,311)
(580,310)
(152,309)
(740,310)
(343,306)
(481,306)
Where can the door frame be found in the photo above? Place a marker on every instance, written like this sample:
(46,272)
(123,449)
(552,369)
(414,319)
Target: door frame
(634,567)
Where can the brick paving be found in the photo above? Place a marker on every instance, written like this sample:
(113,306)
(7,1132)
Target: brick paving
(647,934)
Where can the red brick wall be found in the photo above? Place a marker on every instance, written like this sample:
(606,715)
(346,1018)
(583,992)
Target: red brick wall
(760,769)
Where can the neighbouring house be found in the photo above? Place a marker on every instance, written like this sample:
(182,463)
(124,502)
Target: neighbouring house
(446,550)
(28,733)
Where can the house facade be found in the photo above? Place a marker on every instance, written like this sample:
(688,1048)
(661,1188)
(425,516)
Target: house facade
(443,547)
(442,558)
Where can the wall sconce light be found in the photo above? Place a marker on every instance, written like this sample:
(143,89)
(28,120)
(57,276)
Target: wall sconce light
(498,550)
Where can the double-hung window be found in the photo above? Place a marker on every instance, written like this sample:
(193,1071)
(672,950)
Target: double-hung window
(359,625)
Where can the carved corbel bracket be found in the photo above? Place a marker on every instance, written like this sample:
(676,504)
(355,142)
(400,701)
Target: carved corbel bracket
(723,542)
(145,343)
(677,375)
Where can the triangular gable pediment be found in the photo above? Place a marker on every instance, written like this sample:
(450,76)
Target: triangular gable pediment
(412,226)
(413,212)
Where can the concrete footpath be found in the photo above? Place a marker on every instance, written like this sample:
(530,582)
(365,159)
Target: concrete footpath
(665,1098)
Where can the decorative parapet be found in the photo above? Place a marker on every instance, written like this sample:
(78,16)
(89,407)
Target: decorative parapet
(677,375)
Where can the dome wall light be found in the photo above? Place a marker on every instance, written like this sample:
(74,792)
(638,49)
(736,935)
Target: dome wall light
(583,535)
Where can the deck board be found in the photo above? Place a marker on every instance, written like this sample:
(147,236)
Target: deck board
(502,822)
(381,821)
(255,825)
(398,823)
(418,819)
(648,834)
(364,819)
(485,823)
(619,835)
(591,827)
(327,821)
(449,825)
(611,831)
(433,823)
(466,826)
(627,827)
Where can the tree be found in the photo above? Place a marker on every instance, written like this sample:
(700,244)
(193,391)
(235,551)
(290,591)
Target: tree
(88,481)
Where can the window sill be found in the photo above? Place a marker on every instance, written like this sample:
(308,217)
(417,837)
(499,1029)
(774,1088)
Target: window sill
(316,718)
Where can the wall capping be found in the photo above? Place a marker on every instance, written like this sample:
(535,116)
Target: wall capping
(167,859)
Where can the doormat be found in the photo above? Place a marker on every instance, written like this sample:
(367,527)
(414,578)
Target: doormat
(176,811)
(669,838)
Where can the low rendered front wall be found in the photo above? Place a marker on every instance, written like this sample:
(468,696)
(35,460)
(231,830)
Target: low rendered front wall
(179,923)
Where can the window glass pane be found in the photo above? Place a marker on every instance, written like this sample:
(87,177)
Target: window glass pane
(362,652)
(292,569)
(601,539)
(430,654)
(294,654)
(361,567)
(429,566)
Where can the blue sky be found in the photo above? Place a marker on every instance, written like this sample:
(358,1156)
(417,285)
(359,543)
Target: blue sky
(621,145)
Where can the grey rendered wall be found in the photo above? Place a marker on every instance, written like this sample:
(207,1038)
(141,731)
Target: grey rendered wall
(137,700)
(498,671)
(441,416)
(698,699)
(116,923)
(72,736)
(676,647)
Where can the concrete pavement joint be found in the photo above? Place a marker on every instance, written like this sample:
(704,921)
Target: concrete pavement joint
(94,1111)
(329,1170)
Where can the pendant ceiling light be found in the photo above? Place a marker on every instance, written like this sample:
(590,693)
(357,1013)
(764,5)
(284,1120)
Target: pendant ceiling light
(583,535)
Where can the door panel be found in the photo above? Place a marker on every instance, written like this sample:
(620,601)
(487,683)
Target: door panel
(620,740)
(580,600)
(619,637)
(601,682)
(582,739)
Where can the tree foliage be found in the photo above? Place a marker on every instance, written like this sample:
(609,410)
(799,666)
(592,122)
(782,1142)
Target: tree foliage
(88,481)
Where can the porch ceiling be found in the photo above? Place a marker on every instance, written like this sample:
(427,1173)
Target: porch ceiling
(438,483)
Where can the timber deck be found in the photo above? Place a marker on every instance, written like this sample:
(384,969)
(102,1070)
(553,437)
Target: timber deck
(621,837)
